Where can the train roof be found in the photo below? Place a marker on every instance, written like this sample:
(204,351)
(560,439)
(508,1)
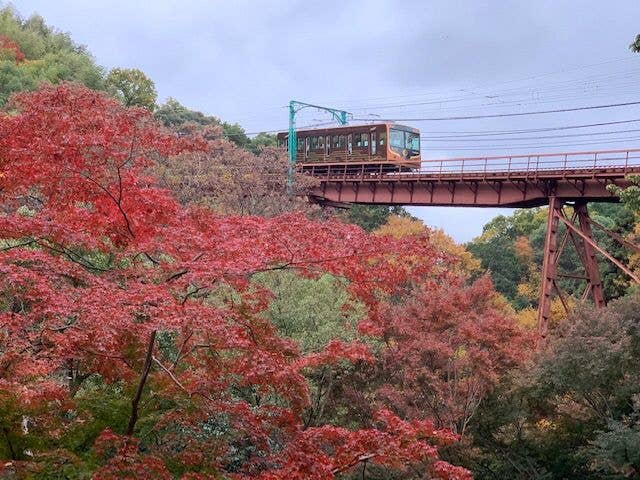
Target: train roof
(360,127)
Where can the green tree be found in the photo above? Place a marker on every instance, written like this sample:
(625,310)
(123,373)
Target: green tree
(514,272)
(506,269)
(371,217)
(263,140)
(49,56)
(635,46)
(630,195)
(174,115)
(616,450)
(574,414)
(311,311)
(132,87)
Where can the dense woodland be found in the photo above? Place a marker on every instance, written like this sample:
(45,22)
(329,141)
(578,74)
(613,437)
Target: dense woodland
(168,311)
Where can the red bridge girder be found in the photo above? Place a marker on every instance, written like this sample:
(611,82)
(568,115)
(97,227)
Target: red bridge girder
(514,181)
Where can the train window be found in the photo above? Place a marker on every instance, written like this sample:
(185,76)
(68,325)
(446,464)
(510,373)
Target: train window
(300,144)
(413,141)
(383,138)
(337,142)
(373,143)
(320,143)
(397,138)
(361,140)
(314,143)
(350,143)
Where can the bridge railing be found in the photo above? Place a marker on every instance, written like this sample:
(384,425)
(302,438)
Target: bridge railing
(626,161)
(535,163)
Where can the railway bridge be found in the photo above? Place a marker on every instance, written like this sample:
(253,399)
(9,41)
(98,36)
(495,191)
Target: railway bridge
(523,181)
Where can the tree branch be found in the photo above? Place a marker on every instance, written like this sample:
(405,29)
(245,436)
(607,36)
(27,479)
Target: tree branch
(143,378)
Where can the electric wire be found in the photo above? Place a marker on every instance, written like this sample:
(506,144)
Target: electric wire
(480,133)
(502,115)
(536,145)
(541,137)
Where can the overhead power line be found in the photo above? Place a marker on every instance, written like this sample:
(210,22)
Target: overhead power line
(493,139)
(534,145)
(500,115)
(483,133)
(473,89)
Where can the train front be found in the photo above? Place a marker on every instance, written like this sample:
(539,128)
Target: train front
(404,145)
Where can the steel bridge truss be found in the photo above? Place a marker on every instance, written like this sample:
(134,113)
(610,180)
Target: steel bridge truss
(524,181)
(578,230)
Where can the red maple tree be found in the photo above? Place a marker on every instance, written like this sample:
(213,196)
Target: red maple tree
(12,47)
(446,346)
(107,279)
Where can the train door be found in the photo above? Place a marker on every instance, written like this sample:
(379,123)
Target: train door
(373,144)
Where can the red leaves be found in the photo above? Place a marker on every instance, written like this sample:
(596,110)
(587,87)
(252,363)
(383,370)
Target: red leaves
(12,47)
(123,460)
(448,345)
(76,160)
(97,257)
(337,351)
(322,453)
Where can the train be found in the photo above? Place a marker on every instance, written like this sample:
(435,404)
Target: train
(380,147)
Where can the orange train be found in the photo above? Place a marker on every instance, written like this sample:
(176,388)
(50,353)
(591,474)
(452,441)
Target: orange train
(386,147)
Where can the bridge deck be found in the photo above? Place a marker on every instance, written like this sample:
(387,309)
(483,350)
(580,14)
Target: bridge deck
(510,181)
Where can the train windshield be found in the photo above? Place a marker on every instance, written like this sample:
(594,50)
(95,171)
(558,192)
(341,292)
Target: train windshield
(403,140)
(412,141)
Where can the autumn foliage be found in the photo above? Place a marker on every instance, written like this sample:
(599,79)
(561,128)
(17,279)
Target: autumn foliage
(8,46)
(448,347)
(110,287)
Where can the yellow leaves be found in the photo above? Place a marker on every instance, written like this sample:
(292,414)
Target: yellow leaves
(529,290)
(501,303)
(443,242)
(545,424)
(528,317)
(400,227)
(460,353)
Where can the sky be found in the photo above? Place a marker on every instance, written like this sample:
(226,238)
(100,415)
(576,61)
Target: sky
(383,59)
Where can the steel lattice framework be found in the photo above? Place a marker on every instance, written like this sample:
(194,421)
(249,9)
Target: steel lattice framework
(559,180)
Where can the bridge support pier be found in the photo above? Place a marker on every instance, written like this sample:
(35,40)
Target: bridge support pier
(549,267)
(581,236)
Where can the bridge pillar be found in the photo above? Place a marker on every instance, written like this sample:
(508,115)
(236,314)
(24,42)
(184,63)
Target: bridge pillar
(549,266)
(581,237)
(591,264)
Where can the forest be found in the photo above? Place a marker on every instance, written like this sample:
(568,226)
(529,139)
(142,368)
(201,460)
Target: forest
(169,311)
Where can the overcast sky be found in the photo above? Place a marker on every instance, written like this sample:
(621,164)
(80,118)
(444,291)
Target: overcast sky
(244,60)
